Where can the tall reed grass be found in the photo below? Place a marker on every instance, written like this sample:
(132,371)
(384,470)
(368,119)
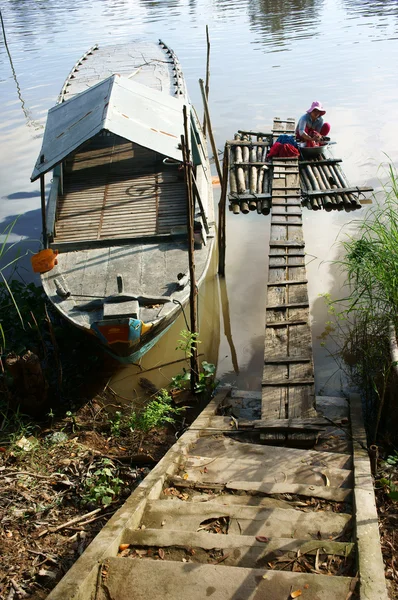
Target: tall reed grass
(370,264)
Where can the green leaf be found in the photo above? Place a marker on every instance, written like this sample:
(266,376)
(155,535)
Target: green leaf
(393,495)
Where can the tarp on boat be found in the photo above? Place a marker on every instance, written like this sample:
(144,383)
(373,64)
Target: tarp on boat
(131,110)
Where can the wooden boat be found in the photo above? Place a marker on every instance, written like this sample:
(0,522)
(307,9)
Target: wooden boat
(117,208)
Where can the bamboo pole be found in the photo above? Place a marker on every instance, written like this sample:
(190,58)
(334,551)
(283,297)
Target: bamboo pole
(207,75)
(43,210)
(332,183)
(244,206)
(191,250)
(253,179)
(221,215)
(326,201)
(208,121)
(311,201)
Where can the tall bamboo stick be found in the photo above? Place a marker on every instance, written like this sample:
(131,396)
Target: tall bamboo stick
(191,252)
(221,215)
(208,121)
(207,74)
(43,210)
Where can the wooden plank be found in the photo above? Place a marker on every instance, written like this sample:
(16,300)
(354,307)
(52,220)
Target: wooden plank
(334,191)
(289,305)
(297,424)
(287,243)
(288,359)
(288,281)
(287,223)
(288,382)
(286,323)
(285,265)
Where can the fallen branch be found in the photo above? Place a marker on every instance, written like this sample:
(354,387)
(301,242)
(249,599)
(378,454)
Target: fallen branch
(71,522)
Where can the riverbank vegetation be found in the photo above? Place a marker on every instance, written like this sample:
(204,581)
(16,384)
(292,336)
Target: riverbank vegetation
(363,327)
(71,448)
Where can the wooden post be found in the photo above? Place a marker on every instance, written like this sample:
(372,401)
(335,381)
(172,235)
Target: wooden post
(212,142)
(43,210)
(221,214)
(191,249)
(207,74)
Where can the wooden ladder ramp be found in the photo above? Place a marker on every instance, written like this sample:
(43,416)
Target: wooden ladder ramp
(288,376)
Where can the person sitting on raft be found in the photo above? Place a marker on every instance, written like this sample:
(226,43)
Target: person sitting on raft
(311,128)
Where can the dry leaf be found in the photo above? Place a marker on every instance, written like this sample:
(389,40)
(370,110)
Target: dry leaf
(163,523)
(123,547)
(161,553)
(306,586)
(295,594)
(265,576)
(185,476)
(261,538)
(326,479)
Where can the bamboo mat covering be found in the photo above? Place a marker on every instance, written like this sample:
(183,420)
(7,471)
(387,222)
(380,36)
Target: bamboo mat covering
(114,189)
(288,375)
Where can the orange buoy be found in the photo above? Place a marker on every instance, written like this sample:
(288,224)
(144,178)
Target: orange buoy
(44,261)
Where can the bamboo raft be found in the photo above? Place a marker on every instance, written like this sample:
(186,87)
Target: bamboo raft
(323,184)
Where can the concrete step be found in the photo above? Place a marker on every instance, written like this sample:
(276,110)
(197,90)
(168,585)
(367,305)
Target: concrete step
(253,493)
(244,520)
(238,550)
(229,450)
(124,578)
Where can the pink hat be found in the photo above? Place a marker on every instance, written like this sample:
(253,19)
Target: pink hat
(316,105)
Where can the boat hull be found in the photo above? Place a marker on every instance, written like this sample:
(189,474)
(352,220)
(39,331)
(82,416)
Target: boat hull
(117,213)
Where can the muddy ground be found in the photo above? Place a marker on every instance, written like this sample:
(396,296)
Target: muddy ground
(59,486)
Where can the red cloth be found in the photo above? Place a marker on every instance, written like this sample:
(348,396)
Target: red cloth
(282,150)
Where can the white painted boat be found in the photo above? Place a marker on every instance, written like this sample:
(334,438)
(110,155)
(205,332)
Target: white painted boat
(117,208)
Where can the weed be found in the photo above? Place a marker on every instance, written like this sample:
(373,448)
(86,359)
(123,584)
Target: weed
(180,381)
(206,380)
(116,423)
(188,343)
(157,413)
(103,485)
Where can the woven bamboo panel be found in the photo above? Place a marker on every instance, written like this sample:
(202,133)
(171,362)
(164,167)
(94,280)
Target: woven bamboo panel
(114,189)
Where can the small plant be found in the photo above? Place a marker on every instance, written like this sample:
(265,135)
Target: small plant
(188,343)
(180,381)
(103,485)
(206,380)
(392,460)
(157,413)
(116,423)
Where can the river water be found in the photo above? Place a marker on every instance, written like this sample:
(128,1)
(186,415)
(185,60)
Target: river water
(268,58)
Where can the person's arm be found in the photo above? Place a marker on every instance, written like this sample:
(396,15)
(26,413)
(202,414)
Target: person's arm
(301,129)
(318,126)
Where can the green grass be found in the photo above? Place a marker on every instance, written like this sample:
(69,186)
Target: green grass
(360,320)
(371,258)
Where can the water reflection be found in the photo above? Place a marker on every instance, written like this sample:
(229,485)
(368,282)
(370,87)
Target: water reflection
(284,20)
(371,8)
(321,48)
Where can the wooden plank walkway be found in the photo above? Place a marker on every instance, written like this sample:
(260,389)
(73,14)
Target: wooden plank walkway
(288,376)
